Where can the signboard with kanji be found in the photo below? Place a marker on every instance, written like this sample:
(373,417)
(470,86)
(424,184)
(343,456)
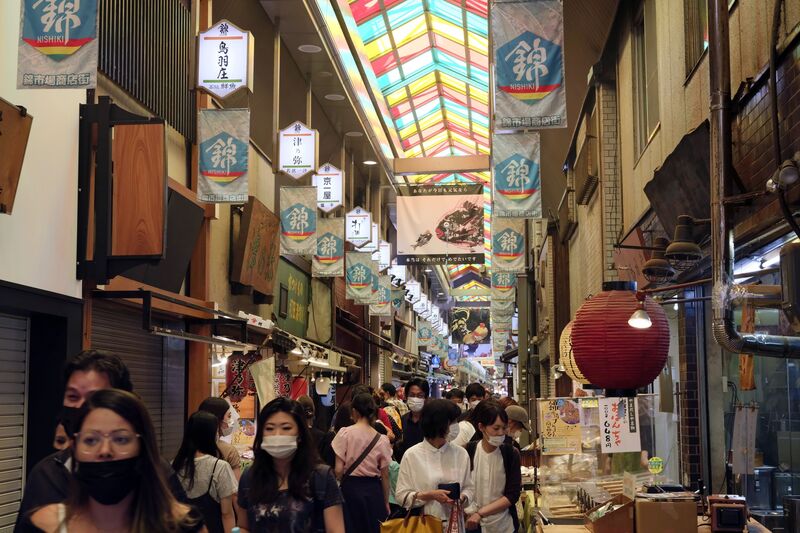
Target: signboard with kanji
(383,255)
(358,226)
(225,59)
(329,182)
(298,149)
(374,240)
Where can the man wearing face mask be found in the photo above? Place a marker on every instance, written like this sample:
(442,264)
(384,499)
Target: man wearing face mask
(49,481)
(517,421)
(416,392)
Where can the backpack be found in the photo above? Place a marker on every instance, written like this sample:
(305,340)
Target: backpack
(505,452)
(319,489)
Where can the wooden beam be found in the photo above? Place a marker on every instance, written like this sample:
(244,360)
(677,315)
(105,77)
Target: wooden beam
(121,283)
(441,165)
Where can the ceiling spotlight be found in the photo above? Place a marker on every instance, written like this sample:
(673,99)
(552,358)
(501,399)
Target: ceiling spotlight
(296,351)
(640,319)
(353,134)
(683,252)
(428,269)
(370,162)
(657,269)
(309,48)
(333,97)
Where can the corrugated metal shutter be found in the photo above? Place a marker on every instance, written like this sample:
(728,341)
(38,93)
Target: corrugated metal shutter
(157,370)
(13,379)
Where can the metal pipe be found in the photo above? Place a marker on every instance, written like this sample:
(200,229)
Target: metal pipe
(720,173)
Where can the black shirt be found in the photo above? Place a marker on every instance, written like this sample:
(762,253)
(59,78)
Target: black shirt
(49,482)
(412,435)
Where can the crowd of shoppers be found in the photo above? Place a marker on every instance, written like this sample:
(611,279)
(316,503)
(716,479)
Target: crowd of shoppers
(383,456)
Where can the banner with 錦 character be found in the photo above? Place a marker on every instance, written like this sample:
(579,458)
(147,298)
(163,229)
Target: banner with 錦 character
(358,274)
(440,224)
(619,425)
(508,244)
(57,45)
(499,340)
(504,285)
(299,220)
(528,52)
(424,332)
(470,325)
(383,307)
(517,187)
(328,261)
(224,141)
(502,312)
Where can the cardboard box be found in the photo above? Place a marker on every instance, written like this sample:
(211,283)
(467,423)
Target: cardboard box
(666,516)
(619,521)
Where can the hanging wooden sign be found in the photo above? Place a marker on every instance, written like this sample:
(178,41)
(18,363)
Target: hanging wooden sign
(15,127)
(257,250)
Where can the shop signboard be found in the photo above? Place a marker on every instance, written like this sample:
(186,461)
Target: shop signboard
(358,226)
(57,45)
(224,137)
(293,300)
(383,255)
(328,261)
(560,426)
(528,50)
(15,127)
(440,224)
(225,59)
(508,244)
(374,240)
(329,182)
(517,187)
(257,250)
(619,425)
(298,220)
(413,291)
(298,147)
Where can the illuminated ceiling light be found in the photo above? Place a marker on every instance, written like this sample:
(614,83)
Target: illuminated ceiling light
(640,319)
(309,48)
(333,97)
(353,134)
(428,269)
(370,162)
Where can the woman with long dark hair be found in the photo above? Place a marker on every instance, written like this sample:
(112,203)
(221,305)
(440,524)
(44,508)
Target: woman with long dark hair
(207,478)
(341,419)
(288,490)
(117,477)
(362,464)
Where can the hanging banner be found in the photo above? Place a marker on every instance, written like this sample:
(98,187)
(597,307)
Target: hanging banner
(328,261)
(397,298)
(358,226)
(224,141)
(424,332)
(470,325)
(619,425)
(225,56)
(329,182)
(298,148)
(528,39)
(383,255)
(374,240)
(413,291)
(508,244)
(358,275)
(560,426)
(57,45)
(504,285)
(440,224)
(383,307)
(517,187)
(397,272)
(299,220)
(499,340)
(502,312)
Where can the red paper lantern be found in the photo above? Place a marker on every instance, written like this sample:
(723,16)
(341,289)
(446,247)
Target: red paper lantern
(611,353)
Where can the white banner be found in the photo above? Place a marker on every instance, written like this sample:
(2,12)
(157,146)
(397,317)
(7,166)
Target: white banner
(328,262)
(528,40)
(298,220)
(516,182)
(224,140)
(508,244)
(619,425)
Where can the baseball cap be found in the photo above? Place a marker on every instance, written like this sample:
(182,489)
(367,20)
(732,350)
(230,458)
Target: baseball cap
(518,414)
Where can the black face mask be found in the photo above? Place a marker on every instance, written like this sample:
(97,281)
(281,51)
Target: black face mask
(69,419)
(108,482)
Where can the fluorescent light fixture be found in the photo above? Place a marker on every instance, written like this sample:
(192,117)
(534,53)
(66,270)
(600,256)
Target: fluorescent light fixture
(354,134)
(370,162)
(333,97)
(309,48)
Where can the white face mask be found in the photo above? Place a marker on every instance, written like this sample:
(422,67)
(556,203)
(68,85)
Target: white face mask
(232,422)
(415,404)
(452,433)
(279,446)
(496,440)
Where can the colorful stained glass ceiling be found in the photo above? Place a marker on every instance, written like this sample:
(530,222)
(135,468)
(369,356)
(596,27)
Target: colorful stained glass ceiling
(430,58)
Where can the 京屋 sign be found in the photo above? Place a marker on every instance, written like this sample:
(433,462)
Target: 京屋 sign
(224,59)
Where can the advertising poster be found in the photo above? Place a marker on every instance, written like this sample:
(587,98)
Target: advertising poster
(224,137)
(328,262)
(470,325)
(528,50)
(57,45)
(298,220)
(508,244)
(560,426)
(440,224)
(619,425)
(517,187)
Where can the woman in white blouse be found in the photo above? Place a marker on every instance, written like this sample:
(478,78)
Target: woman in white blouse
(434,462)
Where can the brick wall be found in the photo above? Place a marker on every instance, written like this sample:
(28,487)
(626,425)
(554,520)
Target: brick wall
(609,176)
(688,398)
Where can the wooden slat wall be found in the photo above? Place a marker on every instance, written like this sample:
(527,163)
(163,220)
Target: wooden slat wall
(13,375)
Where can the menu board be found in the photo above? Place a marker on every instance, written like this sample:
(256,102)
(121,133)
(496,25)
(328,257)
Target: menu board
(560,426)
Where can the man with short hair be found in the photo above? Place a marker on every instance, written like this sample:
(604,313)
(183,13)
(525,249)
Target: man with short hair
(475,393)
(49,481)
(457,397)
(517,421)
(416,391)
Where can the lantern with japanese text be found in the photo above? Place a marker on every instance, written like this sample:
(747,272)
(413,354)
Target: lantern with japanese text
(567,357)
(611,346)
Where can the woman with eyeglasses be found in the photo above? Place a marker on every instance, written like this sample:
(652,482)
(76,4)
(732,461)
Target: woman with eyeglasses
(207,478)
(118,482)
(288,490)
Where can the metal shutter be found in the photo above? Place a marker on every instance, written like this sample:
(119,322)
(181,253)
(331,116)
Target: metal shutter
(13,379)
(157,367)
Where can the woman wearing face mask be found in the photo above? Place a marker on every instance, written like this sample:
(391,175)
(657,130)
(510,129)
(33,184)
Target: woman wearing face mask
(225,413)
(496,470)
(287,490)
(435,462)
(362,464)
(118,482)
(207,479)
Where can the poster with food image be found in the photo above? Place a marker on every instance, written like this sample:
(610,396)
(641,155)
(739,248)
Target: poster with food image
(560,426)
